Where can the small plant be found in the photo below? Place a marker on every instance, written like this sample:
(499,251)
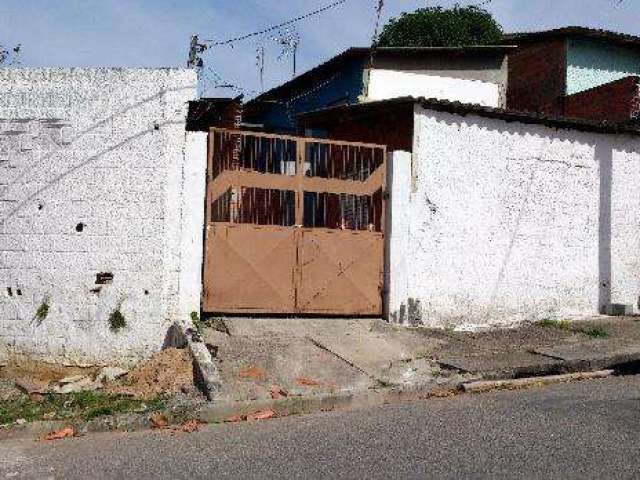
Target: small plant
(117,321)
(552,323)
(197,324)
(218,325)
(42,312)
(596,332)
(74,406)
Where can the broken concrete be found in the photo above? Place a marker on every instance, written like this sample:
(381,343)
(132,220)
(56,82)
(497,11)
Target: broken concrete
(368,353)
(505,364)
(594,354)
(205,370)
(250,368)
(83,384)
(110,374)
(371,346)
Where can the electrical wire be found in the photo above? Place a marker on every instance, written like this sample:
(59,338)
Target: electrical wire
(213,43)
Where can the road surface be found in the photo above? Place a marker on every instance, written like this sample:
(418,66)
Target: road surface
(582,430)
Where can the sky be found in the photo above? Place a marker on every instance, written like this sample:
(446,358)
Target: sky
(156,33)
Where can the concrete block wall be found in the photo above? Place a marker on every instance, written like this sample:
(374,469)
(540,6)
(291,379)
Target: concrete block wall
(505,222)
(101,208)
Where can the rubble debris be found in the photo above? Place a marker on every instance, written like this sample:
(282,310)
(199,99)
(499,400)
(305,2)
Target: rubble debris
(308,382)
(9,392)
(158,420)
(190,426)
(67,432)
(278,392)
(255,373)
(83,384)
(166,373)
(31,388)
(71,379)
(261,415)
(236,418)
(110,374)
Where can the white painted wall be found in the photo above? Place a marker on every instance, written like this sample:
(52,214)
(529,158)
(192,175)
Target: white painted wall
(386,84)
(106,148)
(505,222)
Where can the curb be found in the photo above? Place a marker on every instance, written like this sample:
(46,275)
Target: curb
(483,386)
(212,413)
(207,377)
(222,412)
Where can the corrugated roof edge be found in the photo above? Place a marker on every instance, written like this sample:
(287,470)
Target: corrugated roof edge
(354,52)
(607,35)
(464,109)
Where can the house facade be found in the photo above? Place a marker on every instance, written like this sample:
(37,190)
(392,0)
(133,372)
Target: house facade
(475,75)
(574,71)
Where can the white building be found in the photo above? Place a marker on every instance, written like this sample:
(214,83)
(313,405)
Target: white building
(499,217)
(101,212)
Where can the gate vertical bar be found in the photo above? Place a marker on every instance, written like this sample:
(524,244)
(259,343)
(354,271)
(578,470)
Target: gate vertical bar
(301,152)
(301,147)
(209,177)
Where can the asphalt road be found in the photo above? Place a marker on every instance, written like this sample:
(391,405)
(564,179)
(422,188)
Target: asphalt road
(582,430)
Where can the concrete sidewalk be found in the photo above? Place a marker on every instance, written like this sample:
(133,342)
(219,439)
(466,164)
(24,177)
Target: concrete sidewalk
(278,367)
(270,359)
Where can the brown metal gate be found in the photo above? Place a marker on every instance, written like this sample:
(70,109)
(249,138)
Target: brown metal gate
(294,225)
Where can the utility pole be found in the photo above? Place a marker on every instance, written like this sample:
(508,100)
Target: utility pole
(195,49)
(260,63)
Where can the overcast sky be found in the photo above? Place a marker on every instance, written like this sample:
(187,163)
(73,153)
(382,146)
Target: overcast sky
(152,33)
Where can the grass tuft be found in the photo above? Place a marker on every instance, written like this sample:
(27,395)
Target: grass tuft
(596,332)
(80,406)
(197,324)
(553,323)
(42,312)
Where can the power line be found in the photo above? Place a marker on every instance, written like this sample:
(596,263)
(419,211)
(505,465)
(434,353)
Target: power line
(374,45)
(213,43)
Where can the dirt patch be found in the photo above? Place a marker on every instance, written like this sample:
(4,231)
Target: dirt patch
(166,373)
(42,372)
(40,375)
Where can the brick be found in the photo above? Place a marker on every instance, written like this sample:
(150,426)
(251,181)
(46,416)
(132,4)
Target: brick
(537,78)
(617,101)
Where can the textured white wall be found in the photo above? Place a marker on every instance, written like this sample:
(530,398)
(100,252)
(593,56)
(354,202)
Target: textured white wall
(386,84)
(105,148)
(507,222)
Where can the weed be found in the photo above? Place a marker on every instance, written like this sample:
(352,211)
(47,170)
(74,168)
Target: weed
(117,321)
(98,412)
(557,324)
(218,325)
(197,324)
(42,312)
(82,405)
(6,417)
(596,332)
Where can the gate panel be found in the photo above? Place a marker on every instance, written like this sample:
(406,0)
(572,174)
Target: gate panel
(340,272)
(294,225)
(249,269)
